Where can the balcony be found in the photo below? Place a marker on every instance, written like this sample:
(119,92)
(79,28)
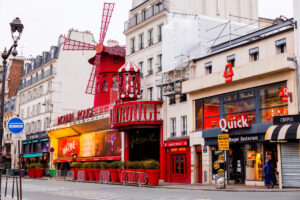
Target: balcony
(36,79)
(150,12)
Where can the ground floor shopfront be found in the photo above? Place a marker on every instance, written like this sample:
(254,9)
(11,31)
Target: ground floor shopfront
(91,140)
(35,149)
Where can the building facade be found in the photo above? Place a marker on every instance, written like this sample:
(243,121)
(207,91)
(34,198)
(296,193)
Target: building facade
(237,89)
(46,91)
(156,41)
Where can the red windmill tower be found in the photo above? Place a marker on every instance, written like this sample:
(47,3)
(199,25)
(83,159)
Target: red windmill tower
(103,81)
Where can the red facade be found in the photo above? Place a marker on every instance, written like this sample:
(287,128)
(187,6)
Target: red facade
(107,78)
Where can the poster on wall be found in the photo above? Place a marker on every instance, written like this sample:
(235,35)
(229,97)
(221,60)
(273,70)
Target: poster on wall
(68,146)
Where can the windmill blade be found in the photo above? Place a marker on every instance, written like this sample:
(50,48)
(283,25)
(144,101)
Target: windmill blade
(106,16)
(74,45)
(91,87)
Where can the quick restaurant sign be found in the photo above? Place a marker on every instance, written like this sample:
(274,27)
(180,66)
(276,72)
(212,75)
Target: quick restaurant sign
(226,125)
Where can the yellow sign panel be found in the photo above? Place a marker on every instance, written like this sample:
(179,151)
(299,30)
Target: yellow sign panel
(223,142)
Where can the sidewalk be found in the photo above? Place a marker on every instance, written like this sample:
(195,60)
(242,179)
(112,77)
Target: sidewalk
(229,188)
(206,187)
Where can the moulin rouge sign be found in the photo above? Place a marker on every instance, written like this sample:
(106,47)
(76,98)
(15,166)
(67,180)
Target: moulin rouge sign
(226,125)
(139,112)
(82,114)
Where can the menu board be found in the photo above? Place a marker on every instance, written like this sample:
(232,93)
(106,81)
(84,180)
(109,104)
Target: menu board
(218,162)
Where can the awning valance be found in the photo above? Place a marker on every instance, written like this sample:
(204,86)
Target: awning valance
(283,132)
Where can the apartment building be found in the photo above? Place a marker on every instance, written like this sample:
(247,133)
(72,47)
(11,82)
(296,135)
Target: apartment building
(47,91)
(160,37)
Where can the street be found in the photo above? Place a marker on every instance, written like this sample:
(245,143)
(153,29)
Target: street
(59,190)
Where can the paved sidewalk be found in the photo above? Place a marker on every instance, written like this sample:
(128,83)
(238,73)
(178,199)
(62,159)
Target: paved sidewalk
(205,187)
(230,188)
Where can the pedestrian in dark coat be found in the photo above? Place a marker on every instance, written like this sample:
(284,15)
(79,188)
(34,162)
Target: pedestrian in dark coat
(269,172)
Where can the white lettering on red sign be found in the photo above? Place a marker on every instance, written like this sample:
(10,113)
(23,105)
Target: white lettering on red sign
(226,125)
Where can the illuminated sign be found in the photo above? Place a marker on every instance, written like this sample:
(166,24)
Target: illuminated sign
(82,114)
(136,112)
(226,125)
(228,73)
(284,94)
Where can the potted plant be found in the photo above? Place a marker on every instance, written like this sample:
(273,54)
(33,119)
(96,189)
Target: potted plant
(75,166)
(153,171)
(91,171)
(132,167)
(141,172)
(114,166)
(120,170)
(31,170)
(104,175)
(97,170)
(85,166)
(39,170)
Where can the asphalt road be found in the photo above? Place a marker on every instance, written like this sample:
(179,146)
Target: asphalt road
(59,190)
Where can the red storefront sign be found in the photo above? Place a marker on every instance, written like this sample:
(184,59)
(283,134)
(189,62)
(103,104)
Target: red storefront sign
(82,114)
(228,73)
(284,94)
(136,112)
(176,143)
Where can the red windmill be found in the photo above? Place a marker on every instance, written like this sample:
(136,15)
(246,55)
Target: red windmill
(106,62)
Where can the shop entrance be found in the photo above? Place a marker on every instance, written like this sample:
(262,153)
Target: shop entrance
(237,164)
(144,144)
(199,156)
(178,168)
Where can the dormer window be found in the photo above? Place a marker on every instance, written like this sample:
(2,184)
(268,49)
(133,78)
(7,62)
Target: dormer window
(280,46)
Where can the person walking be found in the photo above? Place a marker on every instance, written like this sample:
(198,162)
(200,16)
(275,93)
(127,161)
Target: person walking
(269,172)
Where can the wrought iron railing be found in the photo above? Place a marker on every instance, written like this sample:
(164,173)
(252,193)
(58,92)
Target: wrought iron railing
(150,12)
(32,81)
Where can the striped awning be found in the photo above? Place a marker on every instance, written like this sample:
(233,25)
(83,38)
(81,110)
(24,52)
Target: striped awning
(283,132)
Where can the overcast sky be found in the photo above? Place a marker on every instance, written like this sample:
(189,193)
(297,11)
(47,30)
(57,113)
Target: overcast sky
(45,20)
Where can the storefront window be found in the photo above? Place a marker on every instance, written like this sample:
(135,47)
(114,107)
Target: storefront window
(207,113)
(254,164)
(250,116)
(239,106)
(270,102)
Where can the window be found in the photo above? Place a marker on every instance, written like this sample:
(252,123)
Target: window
(104,86)
(159,93)
(172,99)
(39,126)
(132,42)
(143,15)
(270,102)
(254,54)
(208,68)
(281,46)
(207,113)
(159,37)
(183,125)
(38,108)
(183,98)
(115,83)
(141,94)
(150,37)
(42,74)
(150,66)
(141,67)
(28,111)
(173,127)
(141,38)
(159,62)
(33,110)
(41,90)
(49,86)
(150,93)
(231,60)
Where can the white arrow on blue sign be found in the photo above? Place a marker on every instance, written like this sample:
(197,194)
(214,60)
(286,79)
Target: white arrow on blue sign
(15,125)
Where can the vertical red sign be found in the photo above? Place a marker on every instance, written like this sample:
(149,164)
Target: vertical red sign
(228,73)
(284,94)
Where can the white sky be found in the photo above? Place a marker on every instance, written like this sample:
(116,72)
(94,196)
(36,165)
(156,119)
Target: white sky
(45,20)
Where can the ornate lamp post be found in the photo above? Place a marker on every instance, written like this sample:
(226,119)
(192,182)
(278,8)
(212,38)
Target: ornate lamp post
(16,28)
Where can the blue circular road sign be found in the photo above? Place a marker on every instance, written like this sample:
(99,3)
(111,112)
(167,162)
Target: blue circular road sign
(15,125)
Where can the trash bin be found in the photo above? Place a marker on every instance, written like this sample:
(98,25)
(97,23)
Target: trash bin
(52,172)
(220,181)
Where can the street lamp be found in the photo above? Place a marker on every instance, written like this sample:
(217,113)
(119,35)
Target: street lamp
(16,28)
